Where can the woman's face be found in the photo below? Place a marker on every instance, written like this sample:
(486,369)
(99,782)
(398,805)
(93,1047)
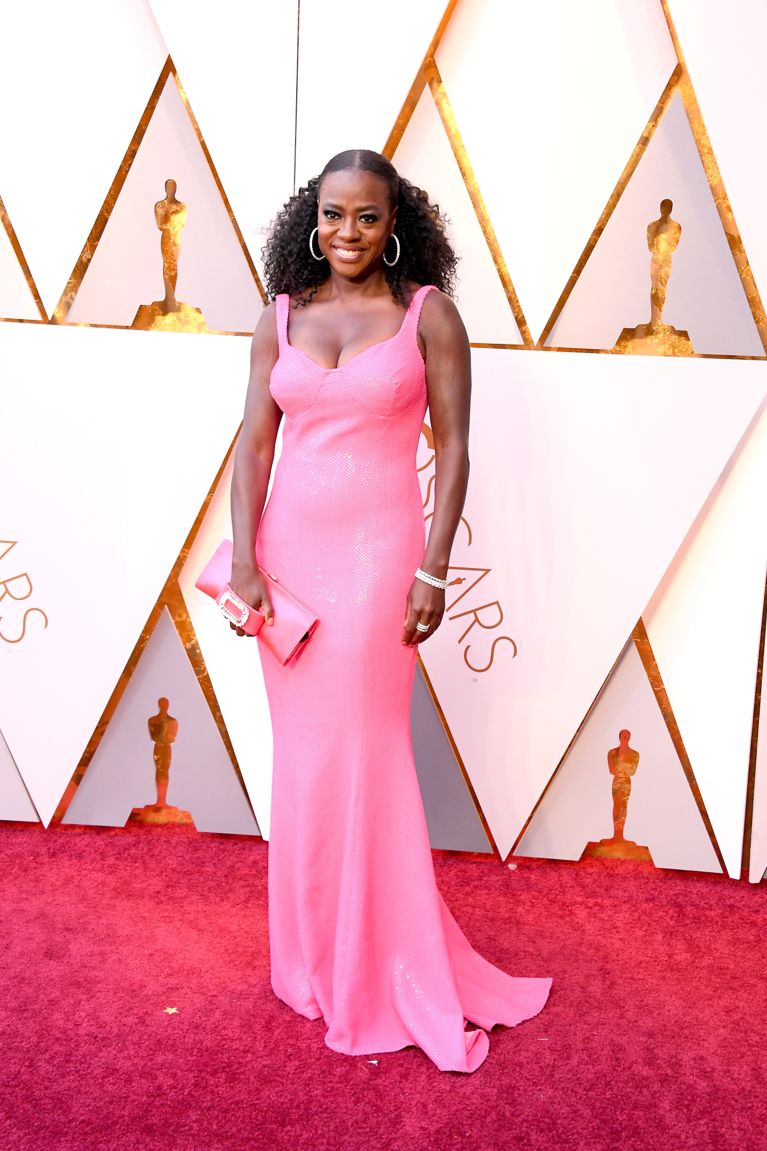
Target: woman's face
(355,220)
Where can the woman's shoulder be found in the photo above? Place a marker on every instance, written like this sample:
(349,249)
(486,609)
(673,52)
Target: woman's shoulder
(267,318)
(265,334)
(439,315)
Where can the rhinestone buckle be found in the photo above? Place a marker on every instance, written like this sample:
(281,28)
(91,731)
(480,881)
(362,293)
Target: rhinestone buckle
(234,608)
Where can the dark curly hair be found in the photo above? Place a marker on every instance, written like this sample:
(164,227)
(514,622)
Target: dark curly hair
(426,255)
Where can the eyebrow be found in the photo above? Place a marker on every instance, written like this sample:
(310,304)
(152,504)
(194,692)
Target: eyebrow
(362,208)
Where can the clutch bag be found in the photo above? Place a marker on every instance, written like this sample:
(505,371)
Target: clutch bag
(294,623)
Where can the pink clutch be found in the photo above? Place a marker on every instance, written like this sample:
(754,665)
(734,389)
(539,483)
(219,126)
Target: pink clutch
(293,625)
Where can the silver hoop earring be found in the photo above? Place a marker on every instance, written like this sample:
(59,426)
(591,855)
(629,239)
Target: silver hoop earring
(391,263)
(311,246)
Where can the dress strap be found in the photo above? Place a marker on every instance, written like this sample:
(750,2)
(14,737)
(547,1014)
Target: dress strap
(282,308)
(415,305)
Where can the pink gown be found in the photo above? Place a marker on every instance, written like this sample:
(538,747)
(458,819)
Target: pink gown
(359,933)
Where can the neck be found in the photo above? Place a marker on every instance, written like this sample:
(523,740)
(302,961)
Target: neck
(372,284)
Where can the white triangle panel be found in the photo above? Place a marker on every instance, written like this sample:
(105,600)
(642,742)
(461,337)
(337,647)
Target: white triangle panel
(425,157)
(704,295)
(573,86)
(662,813)
(16,299)
(15,803)
(331,53)
(577,504)
(703,623)
(237,63)
(723,48)
(126,269)
(118,436)
(757,864)
(232,661)
(201,779)
(82,101)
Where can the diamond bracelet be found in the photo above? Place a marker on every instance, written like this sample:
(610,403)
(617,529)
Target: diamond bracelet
(433,580)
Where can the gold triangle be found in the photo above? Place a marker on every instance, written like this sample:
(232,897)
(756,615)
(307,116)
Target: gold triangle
(91,244)
(716,184)
(171,598)
(679,82)
(631,165)
(428,74)
(644,649)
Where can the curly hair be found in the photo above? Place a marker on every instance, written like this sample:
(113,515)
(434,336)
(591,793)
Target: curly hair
(426,255)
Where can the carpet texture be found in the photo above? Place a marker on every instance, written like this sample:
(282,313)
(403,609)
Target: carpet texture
(653,1038)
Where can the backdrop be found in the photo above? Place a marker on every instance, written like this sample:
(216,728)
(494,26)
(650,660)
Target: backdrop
(595,686)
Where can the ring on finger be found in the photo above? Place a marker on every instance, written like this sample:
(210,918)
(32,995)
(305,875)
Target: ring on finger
(423,627)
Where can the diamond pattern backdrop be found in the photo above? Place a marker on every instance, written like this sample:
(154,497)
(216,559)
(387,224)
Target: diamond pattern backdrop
(609,497)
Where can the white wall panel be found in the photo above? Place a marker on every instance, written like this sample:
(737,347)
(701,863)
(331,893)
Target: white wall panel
(662,813)
(16,299)
(14,797)
(117,437)
(703,624)
(126,269)
(425,157)
(551,99)
(121,775)
(723,47)
(74,83)
(233,663)
(577,505)
(705,294)
(354,72)
(237,63)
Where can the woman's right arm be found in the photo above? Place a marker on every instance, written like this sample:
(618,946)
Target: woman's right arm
(253,465)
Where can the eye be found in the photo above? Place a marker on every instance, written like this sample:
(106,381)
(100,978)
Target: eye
(329,214)
(369,218)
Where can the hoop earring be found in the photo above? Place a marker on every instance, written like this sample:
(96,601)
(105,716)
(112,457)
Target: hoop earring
(311,246)
(391,263)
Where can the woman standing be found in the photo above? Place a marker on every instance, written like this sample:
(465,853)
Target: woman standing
(361,336)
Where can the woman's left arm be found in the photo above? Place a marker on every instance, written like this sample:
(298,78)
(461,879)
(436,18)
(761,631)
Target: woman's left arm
(448,382)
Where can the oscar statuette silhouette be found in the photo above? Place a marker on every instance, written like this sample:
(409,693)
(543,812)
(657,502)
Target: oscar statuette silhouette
(658,338)
(622,762)
(163,729)
(169,314)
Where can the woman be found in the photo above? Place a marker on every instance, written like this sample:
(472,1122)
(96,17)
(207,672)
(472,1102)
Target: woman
(360,337)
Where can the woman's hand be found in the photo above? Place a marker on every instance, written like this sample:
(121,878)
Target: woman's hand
(249,585)
(425,605)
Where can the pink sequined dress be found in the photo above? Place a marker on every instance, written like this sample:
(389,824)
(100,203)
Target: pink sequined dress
(359,933)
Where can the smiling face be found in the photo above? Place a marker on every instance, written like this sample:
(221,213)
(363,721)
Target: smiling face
(355,219)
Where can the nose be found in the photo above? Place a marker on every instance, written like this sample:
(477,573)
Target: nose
(349,230)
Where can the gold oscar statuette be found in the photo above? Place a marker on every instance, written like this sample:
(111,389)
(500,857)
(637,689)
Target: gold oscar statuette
(163,729)
(657,338)
(170,314)
(622,761)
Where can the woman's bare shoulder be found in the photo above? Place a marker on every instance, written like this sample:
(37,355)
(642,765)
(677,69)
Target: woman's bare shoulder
(265,341)
(440,318)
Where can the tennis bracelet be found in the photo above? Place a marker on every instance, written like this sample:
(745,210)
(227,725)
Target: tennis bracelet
(430,579)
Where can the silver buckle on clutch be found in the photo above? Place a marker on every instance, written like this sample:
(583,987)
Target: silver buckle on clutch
(234,608)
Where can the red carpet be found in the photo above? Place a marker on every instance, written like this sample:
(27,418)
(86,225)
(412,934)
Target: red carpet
(654,1036)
